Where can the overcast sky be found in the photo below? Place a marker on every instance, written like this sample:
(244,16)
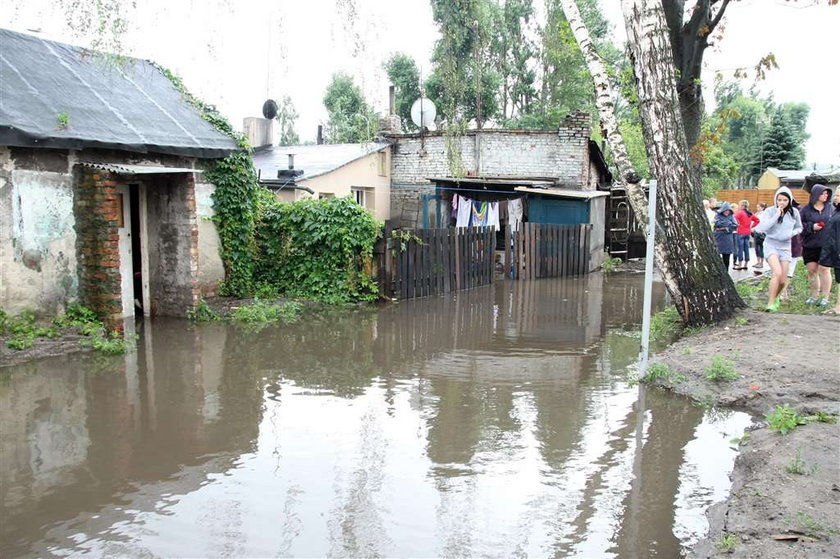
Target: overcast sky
(238,53)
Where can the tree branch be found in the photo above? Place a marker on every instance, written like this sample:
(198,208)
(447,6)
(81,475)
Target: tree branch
(719,14)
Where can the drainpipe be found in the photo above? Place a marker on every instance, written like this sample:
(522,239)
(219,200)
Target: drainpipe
(320,135)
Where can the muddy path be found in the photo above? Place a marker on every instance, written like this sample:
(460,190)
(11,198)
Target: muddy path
(785,497)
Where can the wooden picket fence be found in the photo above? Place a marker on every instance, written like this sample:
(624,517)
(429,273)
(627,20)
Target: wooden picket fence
(427,262)
(543,250)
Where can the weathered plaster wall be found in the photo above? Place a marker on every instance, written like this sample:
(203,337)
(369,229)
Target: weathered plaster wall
(37,236)
(210,268)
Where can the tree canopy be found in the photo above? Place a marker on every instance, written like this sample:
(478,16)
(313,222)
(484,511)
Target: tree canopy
(350,118)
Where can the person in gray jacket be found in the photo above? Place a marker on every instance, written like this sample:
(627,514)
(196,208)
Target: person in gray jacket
(779,223)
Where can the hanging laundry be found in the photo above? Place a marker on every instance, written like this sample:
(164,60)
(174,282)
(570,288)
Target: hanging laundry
(464,212)
(493,215)
(515,213)
(480,213)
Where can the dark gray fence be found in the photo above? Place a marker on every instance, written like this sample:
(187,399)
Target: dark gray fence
(542,250)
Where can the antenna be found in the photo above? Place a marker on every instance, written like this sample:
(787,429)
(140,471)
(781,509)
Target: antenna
(423,113)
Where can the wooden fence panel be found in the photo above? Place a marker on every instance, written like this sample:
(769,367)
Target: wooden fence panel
(540,250)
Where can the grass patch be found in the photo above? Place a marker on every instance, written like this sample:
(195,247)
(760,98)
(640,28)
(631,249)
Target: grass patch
(812,527)
(755,294)
(721,369)
(261,312)
(203,313)
(797,465)
(665,325)
(741,321)
(727,543)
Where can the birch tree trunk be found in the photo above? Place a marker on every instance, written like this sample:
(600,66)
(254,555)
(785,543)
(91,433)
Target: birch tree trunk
(685,252)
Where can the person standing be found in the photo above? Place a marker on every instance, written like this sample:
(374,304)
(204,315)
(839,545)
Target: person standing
(780,224)
(746,221)
(725,227)
(815,216)
(758,238)
(830,254)
(711,211)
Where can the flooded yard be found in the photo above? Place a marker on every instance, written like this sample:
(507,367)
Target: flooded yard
(496,422)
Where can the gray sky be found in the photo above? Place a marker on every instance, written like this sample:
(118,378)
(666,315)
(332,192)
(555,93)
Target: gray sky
(237,54)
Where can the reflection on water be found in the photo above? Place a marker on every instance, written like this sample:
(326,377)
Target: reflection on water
(496,422)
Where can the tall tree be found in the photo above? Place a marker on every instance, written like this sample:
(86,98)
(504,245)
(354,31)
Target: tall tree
(693,273)
(351,120)
(404,74)
(782,146)
(286,118)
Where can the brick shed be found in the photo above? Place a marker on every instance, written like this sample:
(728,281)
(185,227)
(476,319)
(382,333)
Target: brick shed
(101,190)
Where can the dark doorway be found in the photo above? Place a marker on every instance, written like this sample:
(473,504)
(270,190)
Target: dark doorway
(136,254)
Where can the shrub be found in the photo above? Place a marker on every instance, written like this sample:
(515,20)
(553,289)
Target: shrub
(784,419)
(721,369)
(262,312)
(203,313)
(661,372)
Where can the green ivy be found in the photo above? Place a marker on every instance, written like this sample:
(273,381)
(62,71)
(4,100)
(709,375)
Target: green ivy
(234,199)
(325,247)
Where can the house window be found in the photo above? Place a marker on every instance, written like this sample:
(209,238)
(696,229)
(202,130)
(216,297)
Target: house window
(383,164)
(360,196)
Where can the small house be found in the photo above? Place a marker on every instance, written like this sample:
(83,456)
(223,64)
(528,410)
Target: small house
(774,178)
(102,196)
(362,171)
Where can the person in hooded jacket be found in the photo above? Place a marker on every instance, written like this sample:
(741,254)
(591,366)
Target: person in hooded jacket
(725,227)
(830,254)
(779,223)
(815,216)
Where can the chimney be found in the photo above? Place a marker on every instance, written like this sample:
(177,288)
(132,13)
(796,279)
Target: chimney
(320,134)
(392,99)
(291,161)
(259,131)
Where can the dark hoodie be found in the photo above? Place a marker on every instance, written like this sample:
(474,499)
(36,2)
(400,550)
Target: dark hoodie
(830,255)
(810,216)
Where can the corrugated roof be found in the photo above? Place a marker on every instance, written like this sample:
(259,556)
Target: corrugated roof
(122,169)
(55,95)
(564,192)
(313,160)
(793,174)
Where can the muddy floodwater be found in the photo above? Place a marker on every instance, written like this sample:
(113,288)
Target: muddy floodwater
(497,422)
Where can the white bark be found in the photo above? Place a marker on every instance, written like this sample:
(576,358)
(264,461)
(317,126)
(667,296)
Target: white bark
(685,253)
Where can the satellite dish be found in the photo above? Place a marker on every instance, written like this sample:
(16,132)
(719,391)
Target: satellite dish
(270,109)
(423,113)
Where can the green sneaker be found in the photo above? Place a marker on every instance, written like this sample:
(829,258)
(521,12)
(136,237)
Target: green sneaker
(772,307)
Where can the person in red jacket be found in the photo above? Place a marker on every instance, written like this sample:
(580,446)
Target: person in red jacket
(746,221)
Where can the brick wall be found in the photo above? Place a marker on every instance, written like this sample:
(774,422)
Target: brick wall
(97,216)
(562,155)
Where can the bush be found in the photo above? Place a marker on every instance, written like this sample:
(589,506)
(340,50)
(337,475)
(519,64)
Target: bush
(317,249)
(721,369)
(262,312)
(661,372)
(203,313)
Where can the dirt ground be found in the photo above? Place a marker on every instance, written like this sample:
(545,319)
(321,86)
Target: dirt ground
(781,359)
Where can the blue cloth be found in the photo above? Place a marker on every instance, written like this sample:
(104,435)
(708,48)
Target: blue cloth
(725,227)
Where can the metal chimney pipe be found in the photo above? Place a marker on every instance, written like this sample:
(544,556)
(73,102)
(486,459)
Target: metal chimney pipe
(291,161)
(320,135)
(392,100)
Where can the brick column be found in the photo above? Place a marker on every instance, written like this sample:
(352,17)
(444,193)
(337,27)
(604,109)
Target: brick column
(97,213)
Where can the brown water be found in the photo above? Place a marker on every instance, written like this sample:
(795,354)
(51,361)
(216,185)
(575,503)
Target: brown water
(496,423)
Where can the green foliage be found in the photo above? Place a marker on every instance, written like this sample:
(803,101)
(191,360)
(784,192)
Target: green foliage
(404,74)
(286,119)
(721,369)
(665,325)
(264,312)
(203,313)
(115,343)
(611,264)
(784,419)
(741,321)
(783,146)
(657,372)
(402,237)
(727,543)
(317,249)
(821,417)
(234,203)
(62,121)
(812,527)
(351,119)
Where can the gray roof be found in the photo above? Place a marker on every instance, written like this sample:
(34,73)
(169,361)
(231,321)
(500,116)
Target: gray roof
(130,106)
(313,160)
(791,174)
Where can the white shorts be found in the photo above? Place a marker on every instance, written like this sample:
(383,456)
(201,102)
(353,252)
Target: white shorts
(781,250)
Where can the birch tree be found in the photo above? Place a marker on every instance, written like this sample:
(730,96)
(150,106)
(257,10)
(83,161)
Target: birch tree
(693,273)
